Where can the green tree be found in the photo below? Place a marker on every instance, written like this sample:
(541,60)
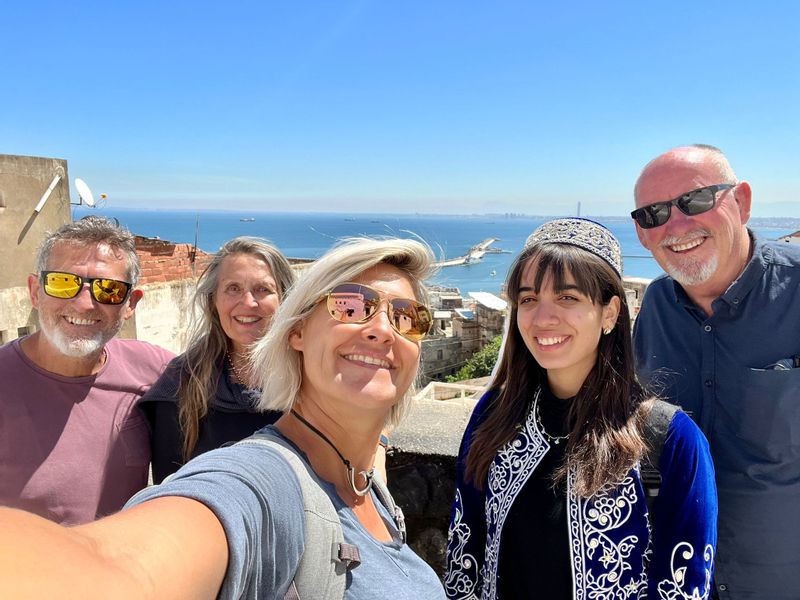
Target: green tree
(481,363)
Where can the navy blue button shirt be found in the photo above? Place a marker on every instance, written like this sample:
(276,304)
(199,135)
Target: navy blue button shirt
(718,369)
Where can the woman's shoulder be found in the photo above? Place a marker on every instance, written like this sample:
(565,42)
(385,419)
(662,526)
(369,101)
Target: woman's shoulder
(668,428)
(166,387)
(261,467)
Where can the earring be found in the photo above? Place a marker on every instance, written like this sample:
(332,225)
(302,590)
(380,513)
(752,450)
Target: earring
(607,330)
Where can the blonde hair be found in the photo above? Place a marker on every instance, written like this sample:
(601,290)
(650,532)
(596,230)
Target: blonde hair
(276,366)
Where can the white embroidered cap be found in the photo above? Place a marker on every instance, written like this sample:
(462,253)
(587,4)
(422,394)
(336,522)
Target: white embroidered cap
(583,233)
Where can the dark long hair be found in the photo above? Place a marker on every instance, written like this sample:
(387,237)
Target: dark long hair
(607,417)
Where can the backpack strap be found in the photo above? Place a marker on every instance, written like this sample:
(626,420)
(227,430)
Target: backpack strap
(326,556)
(386,499)
(655,432)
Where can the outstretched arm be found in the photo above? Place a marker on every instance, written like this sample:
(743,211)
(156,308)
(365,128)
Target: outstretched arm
(170,547)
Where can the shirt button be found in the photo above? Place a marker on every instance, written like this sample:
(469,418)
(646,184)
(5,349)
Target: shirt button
(736,301)
(707,328)
(708,383)
(722,587)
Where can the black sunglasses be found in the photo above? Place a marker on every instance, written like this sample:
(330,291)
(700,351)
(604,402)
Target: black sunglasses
(60,284)
(691,203)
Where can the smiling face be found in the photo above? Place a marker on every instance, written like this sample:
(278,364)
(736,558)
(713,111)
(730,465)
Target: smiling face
(561,328)
(705,251)
(245,299)
(357,367)
(80,326)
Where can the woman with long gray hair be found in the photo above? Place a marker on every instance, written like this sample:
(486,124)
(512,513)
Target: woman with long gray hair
(206,397)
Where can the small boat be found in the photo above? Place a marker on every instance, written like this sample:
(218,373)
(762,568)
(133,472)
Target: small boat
(492,273)
(247,219)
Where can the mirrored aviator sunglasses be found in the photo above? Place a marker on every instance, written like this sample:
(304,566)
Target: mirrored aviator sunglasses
(60,284)
(691,204)
(357,303)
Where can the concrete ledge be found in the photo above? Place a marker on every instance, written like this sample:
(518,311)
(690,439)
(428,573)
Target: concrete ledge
(434,427)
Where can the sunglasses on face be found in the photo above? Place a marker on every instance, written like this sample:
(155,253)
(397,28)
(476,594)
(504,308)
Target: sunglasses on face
(357,303)
(691,203)
(59,284)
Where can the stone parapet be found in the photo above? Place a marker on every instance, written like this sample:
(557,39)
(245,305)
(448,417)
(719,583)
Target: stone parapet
(420,466)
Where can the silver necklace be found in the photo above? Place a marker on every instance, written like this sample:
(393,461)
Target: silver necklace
(350,473)
(236,374)
(553,439)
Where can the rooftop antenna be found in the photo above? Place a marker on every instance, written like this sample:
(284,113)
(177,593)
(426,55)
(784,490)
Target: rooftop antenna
(56,178)
(193,253)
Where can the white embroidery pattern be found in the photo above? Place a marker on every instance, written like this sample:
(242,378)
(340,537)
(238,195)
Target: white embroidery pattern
(673,590)
(462,571)
(508,473)
(590,521)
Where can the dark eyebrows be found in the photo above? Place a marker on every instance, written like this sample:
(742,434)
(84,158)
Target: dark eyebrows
(564,288)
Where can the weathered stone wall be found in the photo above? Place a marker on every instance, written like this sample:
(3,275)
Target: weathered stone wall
(420,467)
(424,487)
(17,316)
(441,356)
(163,315)
(23,182)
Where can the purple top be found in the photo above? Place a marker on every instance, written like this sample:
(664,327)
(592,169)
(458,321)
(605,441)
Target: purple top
(73,449)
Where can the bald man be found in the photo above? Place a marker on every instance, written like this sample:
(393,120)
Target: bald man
(719,335)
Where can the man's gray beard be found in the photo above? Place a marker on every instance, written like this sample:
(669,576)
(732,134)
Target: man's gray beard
(77,347)
(693,274)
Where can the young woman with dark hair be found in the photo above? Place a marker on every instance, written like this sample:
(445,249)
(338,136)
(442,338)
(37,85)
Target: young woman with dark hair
(550,501)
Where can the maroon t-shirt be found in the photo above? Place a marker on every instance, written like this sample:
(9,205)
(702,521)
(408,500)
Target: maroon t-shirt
(73,449)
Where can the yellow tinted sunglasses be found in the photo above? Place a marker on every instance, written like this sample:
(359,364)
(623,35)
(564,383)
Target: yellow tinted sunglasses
(60,284)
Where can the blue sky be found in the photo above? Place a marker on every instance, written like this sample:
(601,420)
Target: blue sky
(437,106)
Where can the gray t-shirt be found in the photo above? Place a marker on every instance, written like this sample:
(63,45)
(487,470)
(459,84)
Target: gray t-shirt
(256,496)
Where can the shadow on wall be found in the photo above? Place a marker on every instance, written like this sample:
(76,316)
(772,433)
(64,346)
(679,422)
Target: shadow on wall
(424,487)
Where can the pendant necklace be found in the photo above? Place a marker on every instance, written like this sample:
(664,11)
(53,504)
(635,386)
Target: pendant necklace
(236,374)
(348,468)
(553,439)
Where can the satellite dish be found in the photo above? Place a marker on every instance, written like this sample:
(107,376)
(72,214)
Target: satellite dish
(84,193)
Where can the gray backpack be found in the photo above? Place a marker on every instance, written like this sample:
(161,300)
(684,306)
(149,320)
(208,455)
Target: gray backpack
(655,433)
(326,556)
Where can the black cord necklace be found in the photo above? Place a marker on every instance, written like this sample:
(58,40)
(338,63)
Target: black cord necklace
(348,469)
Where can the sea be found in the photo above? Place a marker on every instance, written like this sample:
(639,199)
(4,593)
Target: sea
(311,234)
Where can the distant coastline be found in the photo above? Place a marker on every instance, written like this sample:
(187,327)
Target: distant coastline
(764,221)
(308,235)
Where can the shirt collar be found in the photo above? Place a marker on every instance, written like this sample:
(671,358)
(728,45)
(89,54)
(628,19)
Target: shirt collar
(761,258)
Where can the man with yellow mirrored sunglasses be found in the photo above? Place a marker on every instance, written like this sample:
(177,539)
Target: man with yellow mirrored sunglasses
(73,444)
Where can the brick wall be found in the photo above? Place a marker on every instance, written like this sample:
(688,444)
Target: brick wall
(163,261)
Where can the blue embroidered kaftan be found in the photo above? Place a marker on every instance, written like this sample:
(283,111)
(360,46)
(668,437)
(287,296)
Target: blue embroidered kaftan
(616,552)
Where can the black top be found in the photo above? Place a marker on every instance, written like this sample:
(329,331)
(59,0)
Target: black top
(534,550)
(231,417)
